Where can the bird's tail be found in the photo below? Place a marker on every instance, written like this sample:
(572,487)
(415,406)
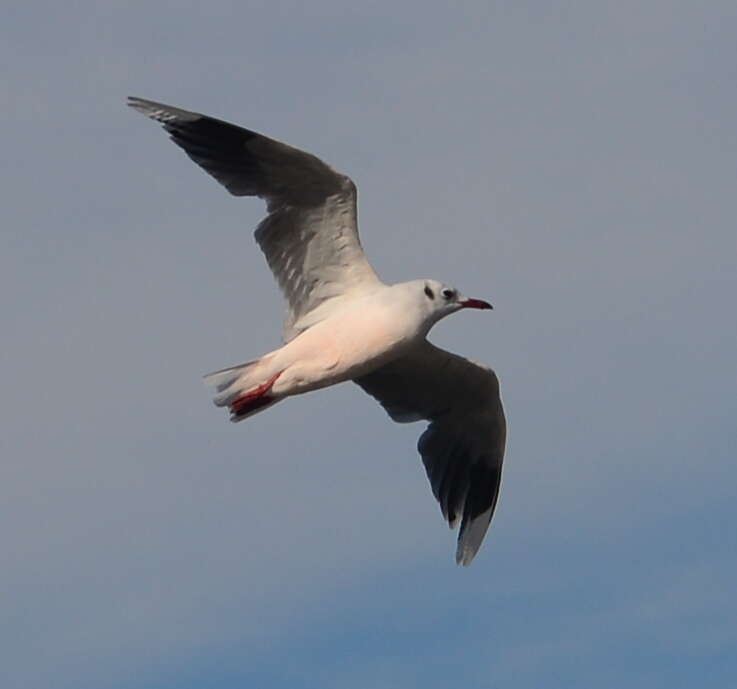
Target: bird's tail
(245,389)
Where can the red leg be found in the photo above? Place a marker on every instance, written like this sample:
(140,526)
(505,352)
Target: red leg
(253,399)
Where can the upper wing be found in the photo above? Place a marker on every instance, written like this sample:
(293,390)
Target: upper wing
(310,235)
(463,447)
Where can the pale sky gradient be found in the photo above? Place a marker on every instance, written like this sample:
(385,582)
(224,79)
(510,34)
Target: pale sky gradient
(571,162)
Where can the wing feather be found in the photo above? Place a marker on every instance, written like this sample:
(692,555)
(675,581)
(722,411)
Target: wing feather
(462,449)
(310,235)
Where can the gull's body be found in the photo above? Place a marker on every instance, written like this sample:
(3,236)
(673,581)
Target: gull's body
(343,323)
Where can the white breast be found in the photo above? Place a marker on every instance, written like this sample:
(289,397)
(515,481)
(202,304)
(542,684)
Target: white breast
(354,341)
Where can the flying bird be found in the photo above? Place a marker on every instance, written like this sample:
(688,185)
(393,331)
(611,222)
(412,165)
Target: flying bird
(343,323)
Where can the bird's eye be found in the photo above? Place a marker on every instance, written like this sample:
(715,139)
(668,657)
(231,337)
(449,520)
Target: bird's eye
(429,292)
(448,293)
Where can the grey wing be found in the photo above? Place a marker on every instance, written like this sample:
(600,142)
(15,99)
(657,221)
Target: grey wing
(310,235)
(463,446)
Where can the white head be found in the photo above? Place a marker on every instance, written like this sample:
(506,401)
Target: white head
(439,300)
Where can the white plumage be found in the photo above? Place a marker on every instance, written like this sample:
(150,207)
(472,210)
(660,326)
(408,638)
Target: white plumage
(343,323)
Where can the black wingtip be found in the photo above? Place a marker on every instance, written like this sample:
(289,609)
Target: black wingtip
(145,107)
(135,102)
(161,112)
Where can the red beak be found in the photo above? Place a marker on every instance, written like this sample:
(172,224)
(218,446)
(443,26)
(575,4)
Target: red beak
(476,304)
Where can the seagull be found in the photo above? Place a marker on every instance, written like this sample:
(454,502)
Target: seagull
(343,323)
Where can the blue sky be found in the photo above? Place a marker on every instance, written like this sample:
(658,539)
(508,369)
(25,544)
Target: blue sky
(572,163)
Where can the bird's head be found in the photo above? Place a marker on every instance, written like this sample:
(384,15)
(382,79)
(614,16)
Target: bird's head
(441,300)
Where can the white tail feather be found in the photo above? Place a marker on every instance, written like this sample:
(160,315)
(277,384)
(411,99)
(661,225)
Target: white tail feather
(231,382)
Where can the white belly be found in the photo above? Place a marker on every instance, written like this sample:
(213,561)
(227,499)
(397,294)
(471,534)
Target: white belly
(350,344)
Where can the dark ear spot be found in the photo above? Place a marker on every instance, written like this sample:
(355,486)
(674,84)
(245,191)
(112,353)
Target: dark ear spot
(429,292)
